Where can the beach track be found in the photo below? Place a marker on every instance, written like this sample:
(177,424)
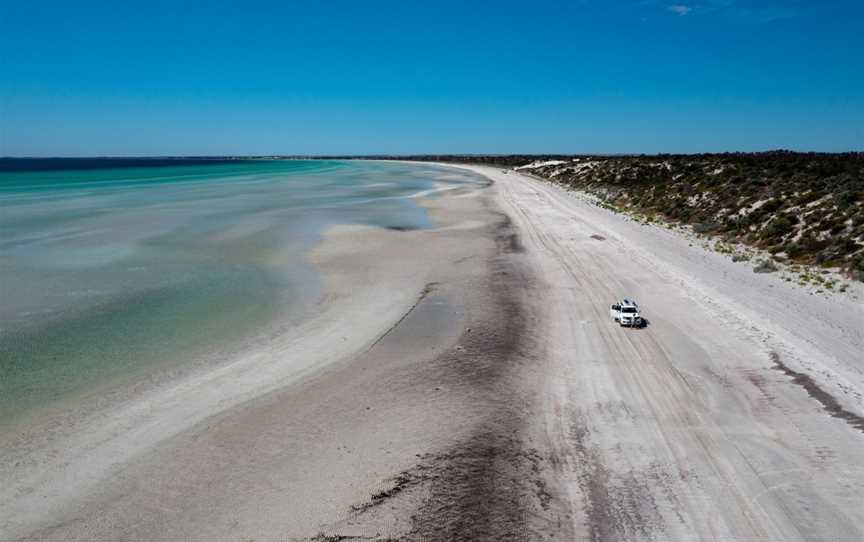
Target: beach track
(691,428)
(489,396)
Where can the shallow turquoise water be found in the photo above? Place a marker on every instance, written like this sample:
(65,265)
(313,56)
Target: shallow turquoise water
(114,272)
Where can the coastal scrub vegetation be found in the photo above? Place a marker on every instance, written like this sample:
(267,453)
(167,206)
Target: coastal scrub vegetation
(802,208)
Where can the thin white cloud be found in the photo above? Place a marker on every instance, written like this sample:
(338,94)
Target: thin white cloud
(680,9)
(739,11)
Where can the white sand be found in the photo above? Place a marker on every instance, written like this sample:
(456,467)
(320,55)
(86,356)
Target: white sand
(684,430)
(38,482)
(374,276)
(466,383)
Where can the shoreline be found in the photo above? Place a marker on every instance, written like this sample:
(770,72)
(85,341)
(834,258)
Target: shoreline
(499,402)
(41,483)
(187,280)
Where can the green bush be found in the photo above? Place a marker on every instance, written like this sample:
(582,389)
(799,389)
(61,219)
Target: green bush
(848,198)
(778,226)
(794,250)
(765,266)
(771,205)
(706,227)
(858,262)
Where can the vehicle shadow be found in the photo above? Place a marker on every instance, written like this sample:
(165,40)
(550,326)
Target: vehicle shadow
(645,324)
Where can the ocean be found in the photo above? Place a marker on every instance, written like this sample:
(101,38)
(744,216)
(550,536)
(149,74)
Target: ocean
(113,270)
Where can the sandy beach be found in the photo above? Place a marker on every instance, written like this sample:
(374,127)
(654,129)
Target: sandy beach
(465,382)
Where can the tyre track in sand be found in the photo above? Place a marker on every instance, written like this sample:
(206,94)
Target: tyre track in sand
(652,444)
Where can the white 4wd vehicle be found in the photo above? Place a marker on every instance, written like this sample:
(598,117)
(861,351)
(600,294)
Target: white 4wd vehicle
(626,313)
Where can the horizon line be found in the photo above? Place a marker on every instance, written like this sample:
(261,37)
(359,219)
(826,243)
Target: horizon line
(409,155)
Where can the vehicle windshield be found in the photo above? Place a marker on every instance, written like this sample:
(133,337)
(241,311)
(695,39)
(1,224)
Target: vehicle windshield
(628,310)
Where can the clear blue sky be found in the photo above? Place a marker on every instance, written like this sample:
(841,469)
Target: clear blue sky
(320,77)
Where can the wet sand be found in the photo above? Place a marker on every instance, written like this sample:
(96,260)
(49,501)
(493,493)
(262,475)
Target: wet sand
(405,384)
(469,385)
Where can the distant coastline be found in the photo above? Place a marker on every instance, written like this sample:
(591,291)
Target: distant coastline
(53,163)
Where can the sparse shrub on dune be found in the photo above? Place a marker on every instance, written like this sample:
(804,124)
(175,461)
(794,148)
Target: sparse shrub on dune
(806,207)
(766,266)
(776,227)
(858,267)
